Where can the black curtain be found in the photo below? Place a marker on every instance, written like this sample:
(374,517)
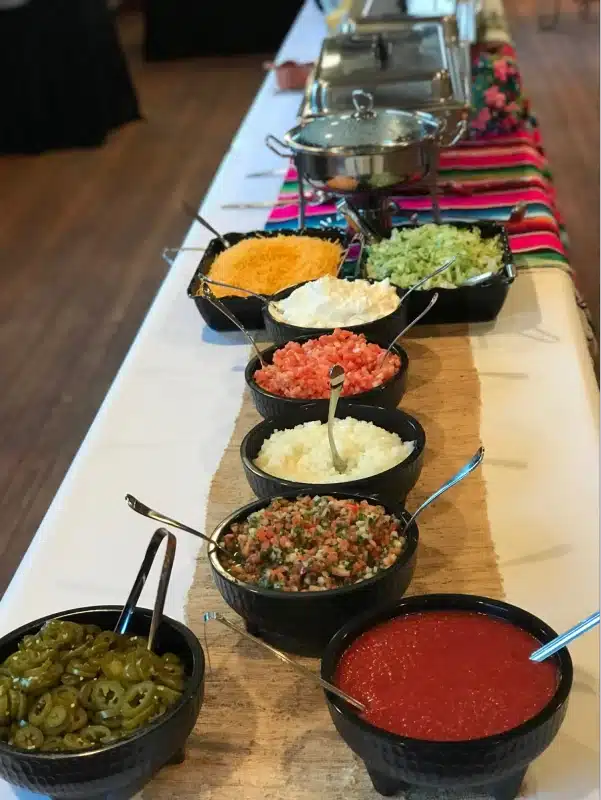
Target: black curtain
(185,28)
(64,80)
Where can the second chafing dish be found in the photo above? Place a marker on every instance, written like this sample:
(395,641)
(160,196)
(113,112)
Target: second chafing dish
(411,64)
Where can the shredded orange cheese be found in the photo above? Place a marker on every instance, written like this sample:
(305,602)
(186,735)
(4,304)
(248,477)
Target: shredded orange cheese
(267,265)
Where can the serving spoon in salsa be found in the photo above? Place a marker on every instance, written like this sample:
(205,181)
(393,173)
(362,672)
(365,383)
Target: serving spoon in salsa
(209,616)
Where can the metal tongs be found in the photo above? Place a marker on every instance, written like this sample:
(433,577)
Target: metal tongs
(136,590)
(307,673)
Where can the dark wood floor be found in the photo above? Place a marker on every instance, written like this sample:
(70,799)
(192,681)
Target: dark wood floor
(561,73)
(81,236)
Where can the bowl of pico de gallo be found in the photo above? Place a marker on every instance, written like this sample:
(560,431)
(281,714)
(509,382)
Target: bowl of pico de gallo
(302,565)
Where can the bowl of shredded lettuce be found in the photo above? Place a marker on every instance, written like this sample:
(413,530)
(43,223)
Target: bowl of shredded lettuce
(412,253)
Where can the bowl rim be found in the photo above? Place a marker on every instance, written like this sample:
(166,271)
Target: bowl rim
(194,681)
(423,603)
(253,366)
(412,541)
(348,410)
(208,257)
(321,331)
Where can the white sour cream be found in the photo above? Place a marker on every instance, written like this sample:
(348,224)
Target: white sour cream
(336,303)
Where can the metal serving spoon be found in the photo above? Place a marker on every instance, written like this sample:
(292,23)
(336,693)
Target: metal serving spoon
(565,638)
(262,297)
(208,295)
(195,215)
(436,272)
(336,384)
(208,616)
(476,280)
(136,590)
(145,511)
(408,327)
(471,465)
(354,220)
(317,198)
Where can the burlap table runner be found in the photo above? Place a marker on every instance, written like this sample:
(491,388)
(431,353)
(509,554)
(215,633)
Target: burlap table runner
(263,732)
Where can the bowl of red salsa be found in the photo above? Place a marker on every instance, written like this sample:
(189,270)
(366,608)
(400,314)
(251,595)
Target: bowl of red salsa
(297,372)
(452,700)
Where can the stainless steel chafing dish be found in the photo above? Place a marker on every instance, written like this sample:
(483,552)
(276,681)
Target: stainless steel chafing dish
(409,64)
(367,151)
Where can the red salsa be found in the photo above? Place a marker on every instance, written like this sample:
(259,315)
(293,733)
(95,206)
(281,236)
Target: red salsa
(446,675)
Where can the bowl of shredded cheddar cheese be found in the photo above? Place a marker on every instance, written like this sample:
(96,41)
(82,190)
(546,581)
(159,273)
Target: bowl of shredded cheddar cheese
(264,262)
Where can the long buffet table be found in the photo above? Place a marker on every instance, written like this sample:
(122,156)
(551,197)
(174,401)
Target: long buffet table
(166,420)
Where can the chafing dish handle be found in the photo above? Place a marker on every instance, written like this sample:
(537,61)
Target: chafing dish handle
(275,144)
(460,131)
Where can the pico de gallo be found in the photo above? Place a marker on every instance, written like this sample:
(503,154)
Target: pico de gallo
(302,371)
(312,544)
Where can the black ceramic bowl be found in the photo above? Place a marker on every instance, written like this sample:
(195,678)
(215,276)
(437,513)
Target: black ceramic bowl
(249,310)
(492,766)
(471,303)
(304,622)
(387,395)
(385,328)
(118,770)
(392,485)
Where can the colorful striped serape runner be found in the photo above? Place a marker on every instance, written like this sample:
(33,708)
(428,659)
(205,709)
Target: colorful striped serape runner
(494,176)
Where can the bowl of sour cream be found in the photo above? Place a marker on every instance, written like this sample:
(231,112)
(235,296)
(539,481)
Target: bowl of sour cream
(323,305)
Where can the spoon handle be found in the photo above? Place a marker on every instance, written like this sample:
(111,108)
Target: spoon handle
(474,462)
(195,215)
(436,272)
(336,384)
(329,687)
(150,513)
(408,327)
(208,295)
(562,641)
(213,282)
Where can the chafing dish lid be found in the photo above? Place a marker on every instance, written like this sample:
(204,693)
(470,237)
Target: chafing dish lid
(364,128)
(396,53)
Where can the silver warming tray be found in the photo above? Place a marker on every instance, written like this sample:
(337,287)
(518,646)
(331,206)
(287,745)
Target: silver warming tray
(408,64)
(464,11)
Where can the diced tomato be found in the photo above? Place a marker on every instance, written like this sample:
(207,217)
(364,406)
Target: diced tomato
(302,371)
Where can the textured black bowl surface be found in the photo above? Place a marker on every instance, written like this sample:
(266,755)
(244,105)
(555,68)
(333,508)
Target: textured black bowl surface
(494,765)
(470,303)
(388,395)
(385,328)
(249,310)
(304,622)
(118,770)
(393,485)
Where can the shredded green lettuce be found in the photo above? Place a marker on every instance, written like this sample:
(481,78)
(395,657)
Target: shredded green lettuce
(411,254)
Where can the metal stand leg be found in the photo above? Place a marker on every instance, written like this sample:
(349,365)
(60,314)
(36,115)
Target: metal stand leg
(301,193)
(433,186)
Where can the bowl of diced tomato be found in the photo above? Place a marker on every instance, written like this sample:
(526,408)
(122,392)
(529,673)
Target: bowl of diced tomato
(297,372)
(302,565)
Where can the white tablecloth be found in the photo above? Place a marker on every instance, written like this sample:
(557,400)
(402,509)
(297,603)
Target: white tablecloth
(162,428)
